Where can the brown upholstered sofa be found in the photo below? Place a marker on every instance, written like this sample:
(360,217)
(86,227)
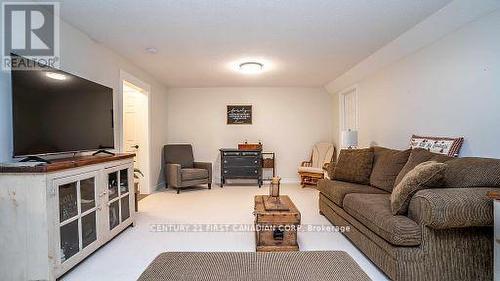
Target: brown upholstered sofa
(447,233)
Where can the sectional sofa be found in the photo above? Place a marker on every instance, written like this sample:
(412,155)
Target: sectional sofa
(447,232)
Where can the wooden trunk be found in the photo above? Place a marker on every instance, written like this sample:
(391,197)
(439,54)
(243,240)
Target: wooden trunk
(276,230)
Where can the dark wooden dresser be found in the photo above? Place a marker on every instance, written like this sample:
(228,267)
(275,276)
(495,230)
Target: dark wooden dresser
(241,164)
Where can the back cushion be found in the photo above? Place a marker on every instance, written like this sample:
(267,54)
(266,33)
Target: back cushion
(472,172)
(354,165)
(179,154)
(387,163)
(417,156)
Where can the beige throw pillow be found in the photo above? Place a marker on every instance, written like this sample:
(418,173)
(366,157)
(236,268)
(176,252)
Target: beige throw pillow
(430,173)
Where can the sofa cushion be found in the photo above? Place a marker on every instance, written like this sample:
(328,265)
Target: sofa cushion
(337,190)
(387,163)
(179,154)
(472,172)
(426,174)
(193,174)
(417,156)
(354,165)
(374,212)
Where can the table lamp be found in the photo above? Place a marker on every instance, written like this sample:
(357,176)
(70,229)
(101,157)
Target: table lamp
(350,139)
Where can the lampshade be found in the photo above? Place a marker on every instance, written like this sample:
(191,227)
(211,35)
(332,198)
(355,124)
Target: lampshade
(349,138)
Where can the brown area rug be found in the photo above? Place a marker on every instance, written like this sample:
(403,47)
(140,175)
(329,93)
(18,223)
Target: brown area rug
(290,266)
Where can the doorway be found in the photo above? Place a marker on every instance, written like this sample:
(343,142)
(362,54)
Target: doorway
(348,101)
(136,127)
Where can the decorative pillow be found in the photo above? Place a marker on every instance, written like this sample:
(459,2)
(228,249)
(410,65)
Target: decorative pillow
(387,163)
(472,172)
(331,168)
(354,165)
(417,156)
(425,174)
(441,145)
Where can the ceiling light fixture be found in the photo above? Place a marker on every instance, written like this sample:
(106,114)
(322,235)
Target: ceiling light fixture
(151,50)
(251,67)
(56,76)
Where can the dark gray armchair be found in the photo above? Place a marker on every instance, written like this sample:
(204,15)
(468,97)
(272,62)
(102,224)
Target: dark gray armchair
(181,170)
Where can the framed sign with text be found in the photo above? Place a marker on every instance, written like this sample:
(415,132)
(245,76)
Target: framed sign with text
(239,115)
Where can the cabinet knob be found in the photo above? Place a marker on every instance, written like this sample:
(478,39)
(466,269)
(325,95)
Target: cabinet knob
(225,161)
(256,171)
(225,171)
(255,161)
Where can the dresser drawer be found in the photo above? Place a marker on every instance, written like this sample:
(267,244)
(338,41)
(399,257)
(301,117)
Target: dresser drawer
(240,161)
(241,172)
(240,153)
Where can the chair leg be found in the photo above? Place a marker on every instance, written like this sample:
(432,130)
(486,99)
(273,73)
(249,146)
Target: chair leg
(210,186)
(178,190)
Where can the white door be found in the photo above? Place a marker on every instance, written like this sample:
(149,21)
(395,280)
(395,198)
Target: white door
(131,120)
(348,111)
(135,129)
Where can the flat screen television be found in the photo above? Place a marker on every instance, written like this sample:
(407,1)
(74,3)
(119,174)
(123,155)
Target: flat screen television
(57,112)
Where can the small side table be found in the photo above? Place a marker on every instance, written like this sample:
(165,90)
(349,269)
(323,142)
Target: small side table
(269,162)
(496,236)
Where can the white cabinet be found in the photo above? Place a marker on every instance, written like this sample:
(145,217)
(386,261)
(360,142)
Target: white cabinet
(50,221)
(79,213)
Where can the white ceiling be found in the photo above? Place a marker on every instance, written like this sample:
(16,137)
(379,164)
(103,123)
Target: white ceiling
(304,42)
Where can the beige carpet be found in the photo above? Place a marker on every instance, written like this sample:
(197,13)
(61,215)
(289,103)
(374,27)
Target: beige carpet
(290,266)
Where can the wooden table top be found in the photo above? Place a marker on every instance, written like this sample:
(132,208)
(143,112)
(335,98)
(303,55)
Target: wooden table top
(260,207)
(65,163)
(494,195)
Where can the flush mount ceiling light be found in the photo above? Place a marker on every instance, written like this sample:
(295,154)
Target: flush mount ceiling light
(151,50)
(251,67)
(56,76)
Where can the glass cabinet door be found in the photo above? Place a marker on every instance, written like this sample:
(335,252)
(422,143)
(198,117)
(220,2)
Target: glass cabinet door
(88,211)
(68,217)
(77,216)
(112,186)
(68,207)
(118,198)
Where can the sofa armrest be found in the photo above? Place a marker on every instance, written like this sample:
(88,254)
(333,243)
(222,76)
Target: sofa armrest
(444,208)
(206,166)
(173,172)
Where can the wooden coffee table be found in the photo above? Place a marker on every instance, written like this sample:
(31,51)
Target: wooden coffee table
(276,224)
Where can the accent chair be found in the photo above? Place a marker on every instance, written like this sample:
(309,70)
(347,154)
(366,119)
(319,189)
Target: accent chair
(181,170)
(315,169)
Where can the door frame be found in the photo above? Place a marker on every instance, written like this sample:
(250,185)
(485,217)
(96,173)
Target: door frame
(131,79)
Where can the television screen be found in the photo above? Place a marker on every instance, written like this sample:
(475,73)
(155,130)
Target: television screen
(55,112)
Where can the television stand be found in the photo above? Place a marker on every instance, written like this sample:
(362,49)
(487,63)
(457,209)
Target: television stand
(103,151)
(35,159)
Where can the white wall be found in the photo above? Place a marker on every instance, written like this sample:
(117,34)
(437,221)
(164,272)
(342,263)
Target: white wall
(287,120)
(83,57)
(449,88)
